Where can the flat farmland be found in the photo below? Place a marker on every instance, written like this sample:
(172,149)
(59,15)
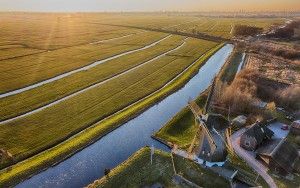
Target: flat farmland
(220,27)
(68,117)
(38,67)
(55,31)
(50,92)
(117,67)
(13,51)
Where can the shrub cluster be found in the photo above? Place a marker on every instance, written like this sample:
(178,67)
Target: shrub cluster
(240,96)
(290,97)
(285,32)
(279,51)
(245,30)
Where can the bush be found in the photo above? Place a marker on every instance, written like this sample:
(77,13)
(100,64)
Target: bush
(289,97)
(245,30)
(281,51)
(241,94)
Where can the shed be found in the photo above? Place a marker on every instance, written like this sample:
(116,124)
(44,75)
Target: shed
(255,136)
(280,156)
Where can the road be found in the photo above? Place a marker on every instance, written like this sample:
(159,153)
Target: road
(250,159)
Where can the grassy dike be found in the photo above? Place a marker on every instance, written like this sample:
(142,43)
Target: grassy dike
(180,130)
(137,171)
(43,160)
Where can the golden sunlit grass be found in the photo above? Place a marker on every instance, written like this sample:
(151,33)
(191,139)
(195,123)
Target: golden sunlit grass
(68,117)
(58,89)
(60,151)
(137,171)
(220,27)
(45,65)
(62,42)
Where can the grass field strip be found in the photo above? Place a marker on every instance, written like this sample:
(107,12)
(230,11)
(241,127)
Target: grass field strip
(93,86)
(174,26)
(37,161)
(78,70)
(158,90)
(112,39)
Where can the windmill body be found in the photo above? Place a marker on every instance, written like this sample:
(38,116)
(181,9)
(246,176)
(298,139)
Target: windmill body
(211,146)
(211,133)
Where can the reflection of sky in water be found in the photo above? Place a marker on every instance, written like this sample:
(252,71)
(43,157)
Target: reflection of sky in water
(87,165)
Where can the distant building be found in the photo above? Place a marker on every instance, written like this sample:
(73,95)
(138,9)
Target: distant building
(255,136)
(280,156)
(295,127)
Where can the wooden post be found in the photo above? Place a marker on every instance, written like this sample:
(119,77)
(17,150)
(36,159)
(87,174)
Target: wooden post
(152,153)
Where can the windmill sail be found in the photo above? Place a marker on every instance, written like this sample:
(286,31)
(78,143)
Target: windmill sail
(207,143)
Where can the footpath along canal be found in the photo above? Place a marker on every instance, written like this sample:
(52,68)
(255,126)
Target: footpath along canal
(88,164)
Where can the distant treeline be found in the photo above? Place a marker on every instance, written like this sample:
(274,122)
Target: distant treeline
(246,30)
(285,32)
(287,53)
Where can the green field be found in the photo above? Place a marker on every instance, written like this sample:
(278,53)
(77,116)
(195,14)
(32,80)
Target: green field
(60,88)
(137,171)
(35,47)
(61,42)
(38,67)
(25,168)
(220,27)
(62,120)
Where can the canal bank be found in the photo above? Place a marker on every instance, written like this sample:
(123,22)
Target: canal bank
(80,169)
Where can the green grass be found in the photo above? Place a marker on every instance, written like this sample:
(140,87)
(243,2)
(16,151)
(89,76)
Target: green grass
(38,67)
(68,117)
(65,86)
(181,129)
(230,70)
(44,159)
(197,174)
(137,171)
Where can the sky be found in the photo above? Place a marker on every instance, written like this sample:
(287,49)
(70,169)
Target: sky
(148,5)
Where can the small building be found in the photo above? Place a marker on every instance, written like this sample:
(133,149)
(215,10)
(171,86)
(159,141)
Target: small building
(295,127)
(239,121)
(280,156)
(255,136)
(260,104)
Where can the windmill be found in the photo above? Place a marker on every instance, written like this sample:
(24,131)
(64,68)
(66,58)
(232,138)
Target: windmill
(212,146)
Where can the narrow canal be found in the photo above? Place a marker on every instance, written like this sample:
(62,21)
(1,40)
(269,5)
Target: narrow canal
(88,165)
